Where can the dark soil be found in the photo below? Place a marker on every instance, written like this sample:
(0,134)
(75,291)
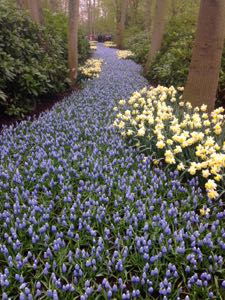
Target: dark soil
(43,104)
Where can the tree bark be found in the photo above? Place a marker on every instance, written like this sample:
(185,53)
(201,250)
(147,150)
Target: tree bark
(73,40)
(23,4)
(148,16)
(66,6)
(159,22)
(36,11)
(54,5)
(94,17)
(121,18)
(174,7)
(205,64)
(134,6)
(89,8)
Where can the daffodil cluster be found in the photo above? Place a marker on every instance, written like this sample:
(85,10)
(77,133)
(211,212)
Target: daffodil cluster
(124,54)
(110,44)
(188,138)
(92,68)
(93,45)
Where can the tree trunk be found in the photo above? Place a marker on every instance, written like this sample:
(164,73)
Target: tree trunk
(93,17)
(54,5)
(36,11)
(205,65)
(89,8)
(73,40)
(174,7)
(66,7)
(134,11)
(159,22)
(23,4)
(121,18)
(148,16)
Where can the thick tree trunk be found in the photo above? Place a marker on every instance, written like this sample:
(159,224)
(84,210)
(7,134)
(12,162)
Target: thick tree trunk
(159,22)
(205,65)
(121,18)
(73,40)
(36,11)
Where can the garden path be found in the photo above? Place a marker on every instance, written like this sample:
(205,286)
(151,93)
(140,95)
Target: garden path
(79,208)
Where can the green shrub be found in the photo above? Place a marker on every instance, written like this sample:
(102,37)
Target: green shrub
(84,50)
(221,86)
(32,61)
(139,45)
(171,65)
(57,23)
(33,58)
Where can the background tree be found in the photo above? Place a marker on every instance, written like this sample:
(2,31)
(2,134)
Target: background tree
(22,4)
(148,14)
(94,18)
(134,6)
(54,5)
(90,23)
(121,10)
(105,18)
(174,7)
(73,40)
(157,31)
(36,11)
(204,70)
(65,6)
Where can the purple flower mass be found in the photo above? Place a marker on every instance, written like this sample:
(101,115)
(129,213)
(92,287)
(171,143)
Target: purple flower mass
(83,214)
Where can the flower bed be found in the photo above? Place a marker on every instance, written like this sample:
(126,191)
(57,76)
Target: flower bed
(124,54)
(84,216)
(109,44)
(93,45)
(92,68)
(189,139)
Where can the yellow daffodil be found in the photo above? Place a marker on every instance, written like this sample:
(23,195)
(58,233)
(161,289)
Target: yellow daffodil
(204,211)
(160,144)
(212,194)
(203,107)
(190,133)
(180,167)
(205,173)
(122,102)
(141,131)
(210,185)
(124,54)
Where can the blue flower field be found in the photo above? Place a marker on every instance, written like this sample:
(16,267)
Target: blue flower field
(83,215)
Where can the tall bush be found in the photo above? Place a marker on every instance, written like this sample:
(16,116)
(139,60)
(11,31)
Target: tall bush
(139,44)
(33,59)
(172,63)
(58,24)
